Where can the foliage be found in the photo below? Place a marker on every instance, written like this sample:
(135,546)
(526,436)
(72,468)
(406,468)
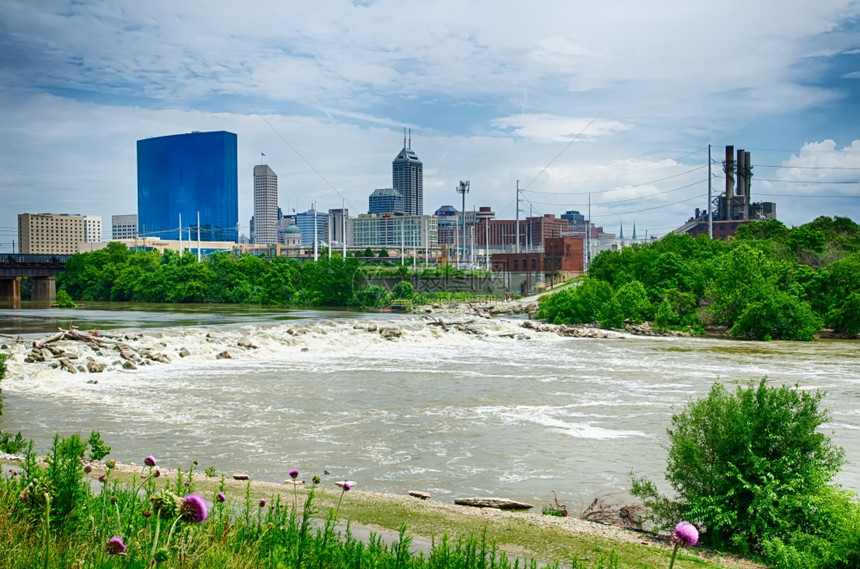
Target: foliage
(403,289)
(64,300)
(769,282)
(12,444)
(752,469)
(49,517)
(98,450)
(778,315)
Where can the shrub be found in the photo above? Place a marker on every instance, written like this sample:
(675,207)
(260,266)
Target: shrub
(777,316)
(753,471)
(403,289)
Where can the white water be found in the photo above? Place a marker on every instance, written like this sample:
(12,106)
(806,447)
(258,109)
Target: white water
(496,410)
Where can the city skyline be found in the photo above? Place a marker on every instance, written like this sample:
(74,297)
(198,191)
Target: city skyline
(612,105)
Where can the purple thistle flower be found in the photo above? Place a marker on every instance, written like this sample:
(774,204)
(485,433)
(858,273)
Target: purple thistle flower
(221,497)
(193,509)
(115,546)
(149,461)
(294,474)
(346,486)
(102,477)
(88,468)
(685,534)
(262,502)
(157,473)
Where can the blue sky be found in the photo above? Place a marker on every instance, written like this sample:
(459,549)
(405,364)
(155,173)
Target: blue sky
(617,102)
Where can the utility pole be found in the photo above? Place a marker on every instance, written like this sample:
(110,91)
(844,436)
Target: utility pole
(710,207)
(463,189)
(316,250)
(517,243)
(198,237)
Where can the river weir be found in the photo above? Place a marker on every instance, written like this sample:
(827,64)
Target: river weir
(451,405)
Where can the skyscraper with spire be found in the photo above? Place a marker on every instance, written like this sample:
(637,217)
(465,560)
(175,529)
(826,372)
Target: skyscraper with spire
(407,173)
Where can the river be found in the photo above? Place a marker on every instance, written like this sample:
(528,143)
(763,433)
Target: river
(486,408)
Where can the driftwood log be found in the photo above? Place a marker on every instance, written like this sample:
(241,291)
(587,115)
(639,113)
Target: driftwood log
(498,503)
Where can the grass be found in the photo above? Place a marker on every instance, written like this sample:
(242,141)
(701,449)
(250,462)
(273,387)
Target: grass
(50,516)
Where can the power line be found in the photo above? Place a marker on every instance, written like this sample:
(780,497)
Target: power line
(622,187)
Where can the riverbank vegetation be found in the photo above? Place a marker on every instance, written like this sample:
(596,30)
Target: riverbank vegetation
(769,282)
(753,471)
(63,511)
(119,274)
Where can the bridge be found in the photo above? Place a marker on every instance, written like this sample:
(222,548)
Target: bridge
(41,269)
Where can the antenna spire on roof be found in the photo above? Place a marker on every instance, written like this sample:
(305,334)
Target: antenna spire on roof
(404,137)
(410,139)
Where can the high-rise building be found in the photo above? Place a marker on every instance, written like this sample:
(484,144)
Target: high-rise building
(407,174)
(123,226)
(92,228)
(385,200)
(188,175)
(51,234)
(265,205)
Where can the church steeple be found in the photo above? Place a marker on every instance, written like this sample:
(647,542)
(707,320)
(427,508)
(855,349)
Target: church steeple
(634,231)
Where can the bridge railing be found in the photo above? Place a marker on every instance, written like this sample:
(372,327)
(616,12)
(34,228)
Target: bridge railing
(24,259)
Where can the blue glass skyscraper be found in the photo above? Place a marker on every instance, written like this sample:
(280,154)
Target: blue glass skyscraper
(184,174)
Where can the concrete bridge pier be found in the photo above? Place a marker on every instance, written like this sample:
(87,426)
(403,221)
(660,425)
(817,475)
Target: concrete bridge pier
(10,289)
(44,288)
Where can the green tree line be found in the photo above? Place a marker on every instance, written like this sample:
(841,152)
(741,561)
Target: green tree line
(768,282)
(119,274)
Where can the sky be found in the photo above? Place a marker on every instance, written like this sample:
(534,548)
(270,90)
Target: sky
(607,108)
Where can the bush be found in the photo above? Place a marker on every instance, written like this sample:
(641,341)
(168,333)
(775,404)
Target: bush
(752,470)
(777,316)
(403,289)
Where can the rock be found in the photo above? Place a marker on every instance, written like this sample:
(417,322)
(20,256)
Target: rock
(129,365)
(95,367)
(184,353)
(68,365)
(340,483)
(294,482)
(305,349)
(417,494)
(246,343)
(498,503)
(92,381)
(225,355)
(371,328)
(157,357)
(241,477)
(390,332)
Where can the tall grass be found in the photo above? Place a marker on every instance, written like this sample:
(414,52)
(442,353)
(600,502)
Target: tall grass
(52,516)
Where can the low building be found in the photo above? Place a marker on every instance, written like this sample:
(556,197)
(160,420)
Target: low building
(406,231)
(560,259)
(123,226)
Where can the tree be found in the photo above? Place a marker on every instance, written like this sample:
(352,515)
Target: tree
(750,467)
(777,316)
(403,290)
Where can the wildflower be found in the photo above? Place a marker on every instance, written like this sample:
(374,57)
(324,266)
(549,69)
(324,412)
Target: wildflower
(115,546)
(88,468)
(188,483)
(262,502)
(346,486)
(102,477)
(157,473)
(166,504)
(149,461)
(146,513)
(294,474)
(114,499)
(316,479)
(685,534)
(193,509)
(221,497)
(111,464)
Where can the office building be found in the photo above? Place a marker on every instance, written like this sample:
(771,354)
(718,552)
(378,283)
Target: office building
(50,234)
(407,231)
(265,205)
(385,200)
(123,226)
(186,175)
(408,179)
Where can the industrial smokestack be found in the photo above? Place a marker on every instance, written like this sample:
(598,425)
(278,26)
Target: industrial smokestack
(742,173)
(729,169)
